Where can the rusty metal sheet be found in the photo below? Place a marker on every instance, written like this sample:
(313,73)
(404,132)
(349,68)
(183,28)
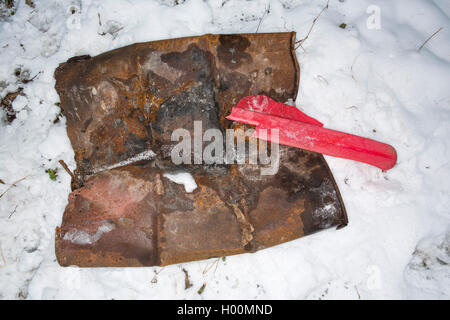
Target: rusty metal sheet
(129,100)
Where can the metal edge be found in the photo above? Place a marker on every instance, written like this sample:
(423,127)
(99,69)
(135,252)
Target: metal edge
(344,217)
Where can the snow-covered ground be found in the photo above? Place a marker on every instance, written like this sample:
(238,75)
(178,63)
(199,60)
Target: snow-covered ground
(367,78)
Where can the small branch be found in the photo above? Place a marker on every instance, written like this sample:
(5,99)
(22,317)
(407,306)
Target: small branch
(155,279)
(209,267)
(429,38)
(267,11)
(300,42)
(351,68)
(187,283)
(12,185)
(357,291)
(29,80)
(13,212)
(2,259)
(64,165)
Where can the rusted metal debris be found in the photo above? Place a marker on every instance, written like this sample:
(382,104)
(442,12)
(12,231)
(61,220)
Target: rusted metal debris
(127,101)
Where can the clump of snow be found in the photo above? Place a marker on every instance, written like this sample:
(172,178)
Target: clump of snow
(19,103)
(184,178)
(365,79)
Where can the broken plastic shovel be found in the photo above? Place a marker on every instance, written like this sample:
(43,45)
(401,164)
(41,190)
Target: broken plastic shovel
(296,129)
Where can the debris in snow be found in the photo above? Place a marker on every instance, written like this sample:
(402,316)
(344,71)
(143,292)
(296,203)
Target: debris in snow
(156,272)
(111,27)
(2,258)
(76,183)
(187,283)
(184,178)
(202,288)
(7,9)
(52,173)
(14,184)
(429,38)
(7,104)
(428,272)
(30,3)
(301,41)
(10,215)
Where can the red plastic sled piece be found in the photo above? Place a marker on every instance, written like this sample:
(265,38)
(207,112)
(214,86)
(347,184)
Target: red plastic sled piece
(296,129)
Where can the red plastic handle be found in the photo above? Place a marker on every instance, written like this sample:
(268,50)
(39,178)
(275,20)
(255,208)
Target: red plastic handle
(311,136)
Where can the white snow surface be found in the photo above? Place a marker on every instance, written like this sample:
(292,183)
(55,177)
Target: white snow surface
(184,178)
(366,81)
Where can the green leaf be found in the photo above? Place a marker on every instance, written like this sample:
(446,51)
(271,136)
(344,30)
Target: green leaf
(52,174)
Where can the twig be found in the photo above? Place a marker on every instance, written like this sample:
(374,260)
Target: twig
(420,48)
(357,291)
(209,267)
(300,46)
(13,212)
(64,165)
(267,11)
(155,279)
(1,181)
(351,68)
(12,185)
(116,31)
(29,80)
(187,283)
(300,42)
(2,259)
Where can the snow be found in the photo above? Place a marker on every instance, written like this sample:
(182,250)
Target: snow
(84,237)
(184,178)
(366,81)
(427,272)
